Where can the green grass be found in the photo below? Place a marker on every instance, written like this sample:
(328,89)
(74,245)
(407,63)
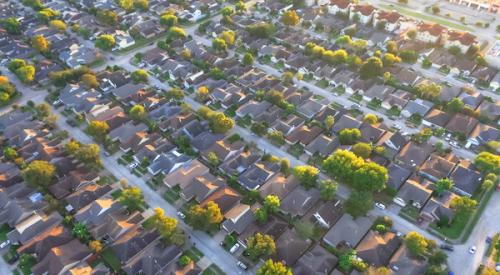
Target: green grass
(109,257)
(213,270)
(172,195)
(323,83)
(194,254)
(427,17)
(296,150)
(229,241)
(410,212)
(4,229)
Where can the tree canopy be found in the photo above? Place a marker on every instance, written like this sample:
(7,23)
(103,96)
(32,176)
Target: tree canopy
(132,198)
(39,173)
(274,268)
(488,162)
(290,18)
(307,175)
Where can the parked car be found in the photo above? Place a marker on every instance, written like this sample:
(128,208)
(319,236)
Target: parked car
(241,265)
(181,215)
(497,267)
(235,248)
(447,247)
(133,165)
(4,244)
(380,205)
(472,249)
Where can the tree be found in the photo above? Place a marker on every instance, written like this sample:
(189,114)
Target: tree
(372,67)
(11,25)
(81,232)
(39,43)
(26,74)
(72,147)
(127,5)
(248,59)
(274,268)
(435,9)
(370,176)
(455,105)
(140,76)
(349,136)
(229,37)
(141,4)
(329,121)
(488,162)
(88,154)
(390,59)
(359,203)
(342,163)
(15,64)
(423,136)
(39,173)
(370,119)
(240,7)
(378,270)
(167,227)
(47,14)
(213,159)
(290,18)
(391,46)
(260,245)
(57,25)
(176,33)
(328,189)
(438,258)
(259,128)
(261,216)
(442,185)
(285,166)
(272,203)
(175,94)
(416,243)
(168,20)
(98,129)
(219,44)
(10,153)
(227,11)
(132,198)
(429,90)
(463,206)
(409,56)
(362,149)
(137,112)
(220,123)
(204,218)
(454,50)
(307,175)
(90,81)
(275,97)
(184,260)
(107,17)
(96,246)
(105,42)
(261,29)
(202,93)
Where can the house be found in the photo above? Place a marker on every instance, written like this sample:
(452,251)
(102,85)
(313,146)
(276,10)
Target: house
(12,118)
(430,32)
(371,133)
(201,187)
(285,125)
(325,214)
(413,193)
(40,245)
(62,258)
(112,225)
(397,99)
(461,124)
(416,107)
(438,208)
(404,263)
(252,108)
(337,6)
(18,203)
(239,163)
(257,174)
(303,135)
(448,93)
(238,218)
(322,145)
(72,182)
(85,196)
(9,174)
(33,226)
(126,91)
(393,142)
(290,246)
(412,154)
(378,92)
(153,260)
(111,80)
(78,99)
(226,198)
(274,227)
(185,174)
(129,133)
(436,168)
(123,40)
(436,119)
(376,249)
(348,231)
(462,40)
(77,55)
(466,179)
(388,19)
(471,97)
(154,57)
(97,210)
(346,122)
(310,108)
(397,175)
(482,134)
(317,261)
(224,149)
(279,185)
(133,242)
(363,11)
(299,201)
(491,110)
(167,162)
(228,96)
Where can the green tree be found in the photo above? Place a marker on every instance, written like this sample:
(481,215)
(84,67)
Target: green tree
(248,59)
(107,17)
(409,56)
(229,37)
(429,90)
(127,5)
(168,228)
(220,123)
(272,203)
(261,216)
(39,173)
(184,260)
(57,25)
(140,76)
(285,166)
(132,198)
(204,218)
(328,189)
(39,43)
(175,94)
(141,4)
(349,136)
(416,243)
(176,33)
(168,20)
(10,153)
(370,119)
(390,59)
(274,268)
(98,129)
(463,207)
(26,74)
(391,46)
(227,11)
(81,232)
(105,42)
(342,164)
(290,18)
(455,105)
(307,175)
(240,7)
(260,245)
(329,121)
(90,81)
(438,257)
(372,67)
(11,25)
(370,176)
(219,44)
(89,155)
(72,147)
(435,9)
(15,64)
(488,162)
(212,159)
(259,128)
(362,149)
(423,136)
(261,29)
(47,14)
(442,185)
(359,203)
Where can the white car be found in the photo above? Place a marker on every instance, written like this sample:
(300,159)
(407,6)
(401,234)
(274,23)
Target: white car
(234,248)
(497,267)
(133,165)
(241,265)
(181,215)
(380,205)
(4,244)
(472,249)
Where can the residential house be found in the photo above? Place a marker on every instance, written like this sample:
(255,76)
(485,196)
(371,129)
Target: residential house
(62,258)
(462,40)
(185,174)
(461,124)
(418,107)
(226,198)
(413,193)
(112,225)
(491,110)
(33,226)
(257,174)
(430,32)
(85,196)
(371,133)
(96,211)
(471,97)
(224,149)
(348,231)
(77,55)
(41,245)
(303,135)
(436,119)
(397,99)
(299,201)
(238,218)
(363,11)
(466,179)
(403,262)
(346,122)
(376,249)
(397,176)
(413,155)
(9,174)
(290,246)
(126,91)
(252,108)
(167,162)
(153,260)
(201,187)
(133,242)
(317,261)
(378,92)
(438,208)
(388,19)
(123,40)
(239,163)
(482,134)
(18,203)
(337,6)
(436,168)
(322,145)
(310,108)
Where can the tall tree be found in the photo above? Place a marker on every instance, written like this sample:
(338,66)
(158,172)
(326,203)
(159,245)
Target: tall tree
(307,175)
(260,245)
(132,198)
(39,43)
(372,67)
(274,268)
(290,18)
(39,173)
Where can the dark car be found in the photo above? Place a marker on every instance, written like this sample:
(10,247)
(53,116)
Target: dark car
(447,247)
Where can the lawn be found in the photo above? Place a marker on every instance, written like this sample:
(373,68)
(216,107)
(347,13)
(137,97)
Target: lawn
(4,229)
(431,18)
(194,254)
(213,270)
(229,241)
(296,150)
(110,259)
(410,212)
(172,194)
